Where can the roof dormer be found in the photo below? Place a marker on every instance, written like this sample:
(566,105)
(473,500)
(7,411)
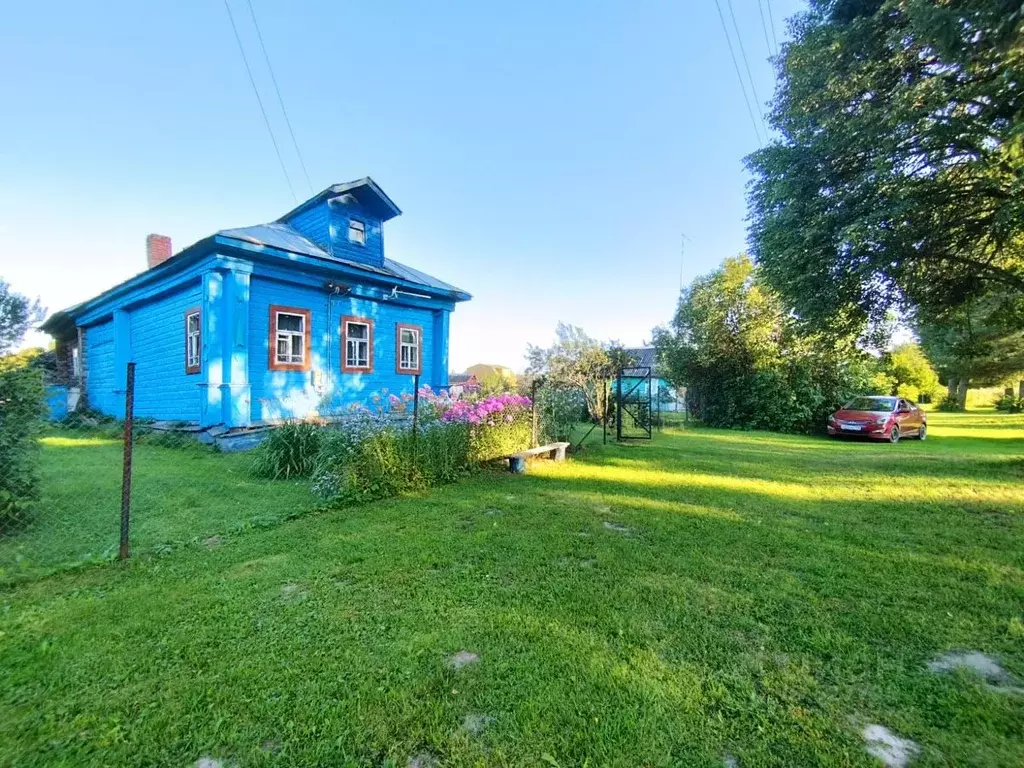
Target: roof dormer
(346,220)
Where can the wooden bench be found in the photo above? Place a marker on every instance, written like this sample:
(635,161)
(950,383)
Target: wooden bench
(517,461)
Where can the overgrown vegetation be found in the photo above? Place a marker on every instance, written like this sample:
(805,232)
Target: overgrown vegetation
(22,408)
(374,452)
(746,362)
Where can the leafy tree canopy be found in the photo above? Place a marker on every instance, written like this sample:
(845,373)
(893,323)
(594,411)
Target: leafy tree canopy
(899,176)
(909,372)
(746,362)
(17,314)
(577,361)
(972,342)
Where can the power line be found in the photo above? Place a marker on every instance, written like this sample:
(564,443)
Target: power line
(280,100)
(743,88)
(746,64)
(255,90)
(764,28)
(772,21)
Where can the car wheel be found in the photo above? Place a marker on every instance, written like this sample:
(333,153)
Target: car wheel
(894,435)
(923,432)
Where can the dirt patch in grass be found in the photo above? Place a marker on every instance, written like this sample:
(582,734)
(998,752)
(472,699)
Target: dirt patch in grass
(293,592)
(474,724)
(462,659)
(886,746)
(980,664)
(625,530)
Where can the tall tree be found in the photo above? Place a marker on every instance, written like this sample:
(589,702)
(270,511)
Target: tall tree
(978,343)
(909,371)
(18,313)
(898,178)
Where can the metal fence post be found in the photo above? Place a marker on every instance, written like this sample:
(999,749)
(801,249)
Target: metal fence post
(126,476)
(618,406)
(533,406)
(604,414)
(415,411)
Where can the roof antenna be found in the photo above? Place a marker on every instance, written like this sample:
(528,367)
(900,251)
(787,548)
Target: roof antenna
(682,250)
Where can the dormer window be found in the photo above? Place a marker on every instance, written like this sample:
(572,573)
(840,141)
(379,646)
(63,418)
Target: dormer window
(356,232)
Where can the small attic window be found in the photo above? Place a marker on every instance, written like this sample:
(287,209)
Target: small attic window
(356,232)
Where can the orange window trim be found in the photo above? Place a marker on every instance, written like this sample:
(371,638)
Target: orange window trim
(398,348)
(307,325)
(345,368)
(190,369)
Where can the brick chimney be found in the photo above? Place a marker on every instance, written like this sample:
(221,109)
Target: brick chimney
(158,250)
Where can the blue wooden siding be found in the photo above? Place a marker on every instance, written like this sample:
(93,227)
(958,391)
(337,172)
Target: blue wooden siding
(325,388)
(373,251)
(99,369)
(162,388)
(326,225)
(314,223)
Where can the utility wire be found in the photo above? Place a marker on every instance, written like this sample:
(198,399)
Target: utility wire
(280,100)
(772,22)
(743,88)
(255,90)
(746,65)
(764,27)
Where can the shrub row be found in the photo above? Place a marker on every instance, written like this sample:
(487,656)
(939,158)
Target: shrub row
(373,453)
(22,407)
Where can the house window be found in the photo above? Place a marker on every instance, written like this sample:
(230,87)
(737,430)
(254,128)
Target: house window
(356,344)
(357,232)
(290,339)
(409,348)
(193,339)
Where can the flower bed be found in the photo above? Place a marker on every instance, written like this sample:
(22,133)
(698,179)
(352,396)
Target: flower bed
(373,451)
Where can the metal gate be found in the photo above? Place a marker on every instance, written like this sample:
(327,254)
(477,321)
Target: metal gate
(633,403)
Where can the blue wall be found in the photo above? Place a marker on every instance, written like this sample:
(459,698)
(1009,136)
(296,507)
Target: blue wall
(100,382)
(153,336)
(162,388)
(326,225)
(236,385)
(325,388)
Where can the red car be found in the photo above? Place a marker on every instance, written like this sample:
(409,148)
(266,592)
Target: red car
(880,418)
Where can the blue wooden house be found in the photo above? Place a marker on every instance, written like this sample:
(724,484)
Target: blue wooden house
(299,317)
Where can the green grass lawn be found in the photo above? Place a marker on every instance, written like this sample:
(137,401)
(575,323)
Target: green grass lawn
(708,594)
(178,495)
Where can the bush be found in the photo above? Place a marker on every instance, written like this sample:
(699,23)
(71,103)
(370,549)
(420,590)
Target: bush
(558,413)
(949,405)
(1009,403)
(22,408)
(291,450)
(371,456)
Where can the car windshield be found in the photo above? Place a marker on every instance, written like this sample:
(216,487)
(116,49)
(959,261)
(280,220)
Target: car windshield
(871,404)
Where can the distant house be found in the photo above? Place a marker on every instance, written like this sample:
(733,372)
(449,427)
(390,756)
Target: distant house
(663,395)
(462,384)
(487,373)
(301,316)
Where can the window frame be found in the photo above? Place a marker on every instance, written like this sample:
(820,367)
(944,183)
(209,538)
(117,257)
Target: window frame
(307,331)
(359,226)
(197,367)
(368,322)
(418,330)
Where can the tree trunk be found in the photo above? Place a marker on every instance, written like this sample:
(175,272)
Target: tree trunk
(1020,389)
(961,394)
(951,388)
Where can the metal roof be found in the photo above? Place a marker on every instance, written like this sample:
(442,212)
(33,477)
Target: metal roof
(365,190)
(284,238)
(646,357)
